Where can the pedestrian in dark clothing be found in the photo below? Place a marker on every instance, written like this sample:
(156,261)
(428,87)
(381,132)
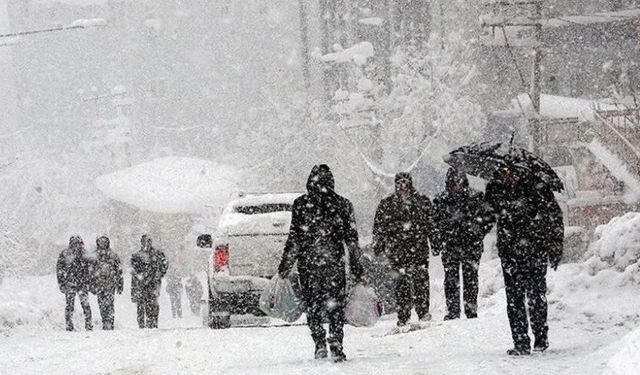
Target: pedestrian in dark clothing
(530,236)
(107,280)
(401,231)
(462,219)
(148,267)
(322,223)
(174,289)
(73,271)
(193,289)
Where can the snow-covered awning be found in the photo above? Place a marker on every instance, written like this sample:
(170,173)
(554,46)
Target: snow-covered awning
(172,185)
(553,106)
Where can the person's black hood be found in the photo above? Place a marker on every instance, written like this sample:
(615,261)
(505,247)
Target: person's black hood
(320,181)
(453,176)
(105,242)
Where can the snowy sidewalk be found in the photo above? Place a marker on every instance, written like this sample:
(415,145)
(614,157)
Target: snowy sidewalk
(456,347)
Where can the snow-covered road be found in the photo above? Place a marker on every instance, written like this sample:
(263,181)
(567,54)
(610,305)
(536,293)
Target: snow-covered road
(586,326)
(459,347)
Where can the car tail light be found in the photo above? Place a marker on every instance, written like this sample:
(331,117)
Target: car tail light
(221,257)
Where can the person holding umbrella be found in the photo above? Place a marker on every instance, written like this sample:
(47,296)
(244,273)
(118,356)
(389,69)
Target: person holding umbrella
(530,231)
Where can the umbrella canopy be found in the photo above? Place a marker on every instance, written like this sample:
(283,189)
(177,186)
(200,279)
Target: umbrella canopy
(484,159)
(173,185)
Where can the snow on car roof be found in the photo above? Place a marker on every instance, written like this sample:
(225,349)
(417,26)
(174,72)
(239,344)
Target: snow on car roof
(172,185)
(267,198)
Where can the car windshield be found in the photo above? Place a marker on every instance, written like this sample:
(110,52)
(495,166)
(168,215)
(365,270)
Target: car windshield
(263,208)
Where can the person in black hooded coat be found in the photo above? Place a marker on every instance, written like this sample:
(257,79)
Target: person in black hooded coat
(148,267)
(402,228)
(322,223)
(462,219)
(108,280)
(530,237)
(73,271)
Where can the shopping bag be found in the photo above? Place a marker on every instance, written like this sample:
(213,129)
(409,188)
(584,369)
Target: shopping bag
(364,307)
(279,300)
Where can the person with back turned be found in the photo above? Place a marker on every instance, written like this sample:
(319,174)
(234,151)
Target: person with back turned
(322,224)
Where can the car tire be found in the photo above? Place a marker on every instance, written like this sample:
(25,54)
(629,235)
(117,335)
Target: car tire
(219,317)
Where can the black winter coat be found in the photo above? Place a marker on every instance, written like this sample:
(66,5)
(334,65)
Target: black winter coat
(462,219)
(529,219)
(74,271)
(402,229)
(108,272)
(322,223)
(147,270)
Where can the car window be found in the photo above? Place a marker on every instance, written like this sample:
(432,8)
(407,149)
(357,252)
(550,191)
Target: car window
(262,208)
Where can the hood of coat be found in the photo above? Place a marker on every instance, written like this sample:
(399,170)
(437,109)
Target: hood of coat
(320,181)
(456,182)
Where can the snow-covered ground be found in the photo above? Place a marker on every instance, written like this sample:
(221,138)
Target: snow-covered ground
(594,313)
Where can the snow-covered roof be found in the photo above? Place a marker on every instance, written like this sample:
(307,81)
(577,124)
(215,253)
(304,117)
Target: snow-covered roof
(358,53)
(172,185)
(602,17)
(553,106)
(70,2)
(371,21)
(270,198)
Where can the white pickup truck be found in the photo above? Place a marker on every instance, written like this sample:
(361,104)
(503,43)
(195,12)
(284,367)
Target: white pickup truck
(245,253)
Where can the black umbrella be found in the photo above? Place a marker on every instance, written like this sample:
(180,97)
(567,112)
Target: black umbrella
(484,159)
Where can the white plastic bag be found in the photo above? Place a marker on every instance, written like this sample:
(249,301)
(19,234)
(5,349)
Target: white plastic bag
(364,307)
(280,301)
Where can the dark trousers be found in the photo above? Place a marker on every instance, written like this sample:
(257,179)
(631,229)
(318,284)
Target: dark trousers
(176,305)
(194,305)
(107,311)
(526,278)
(453,263)
(86,308)
(412,290)
(148,311)
(325,297)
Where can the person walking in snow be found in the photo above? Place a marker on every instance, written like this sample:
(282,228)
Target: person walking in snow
(174,289)
(73,271)
(530,237)
(107,280)
(193,289)
(462,220)
(401,231)
(322,224)
(148,267)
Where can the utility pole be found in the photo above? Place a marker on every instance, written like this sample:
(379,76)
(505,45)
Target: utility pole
(534,121)
(304,36)
(504,15)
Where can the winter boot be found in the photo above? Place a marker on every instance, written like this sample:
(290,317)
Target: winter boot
(541,345)
(321,350)
(518,351)
(451,317)
(336,352)
(425,318)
